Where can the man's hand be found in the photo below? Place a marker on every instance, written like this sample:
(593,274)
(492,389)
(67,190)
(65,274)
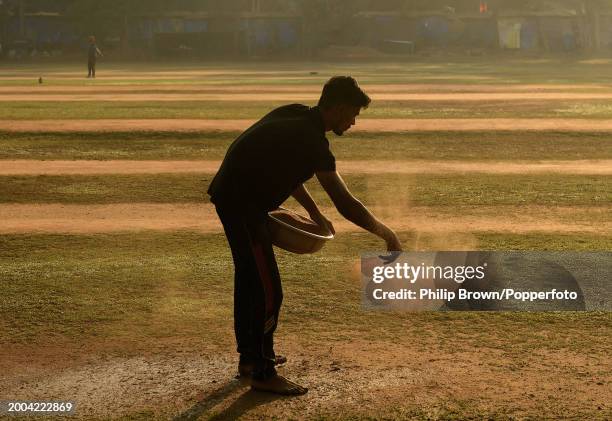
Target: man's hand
(353,210)
(322,221)
(393,242)
(305,199)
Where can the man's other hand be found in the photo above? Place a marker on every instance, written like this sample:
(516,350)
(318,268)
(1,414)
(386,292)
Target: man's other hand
(322,221)
(393,242)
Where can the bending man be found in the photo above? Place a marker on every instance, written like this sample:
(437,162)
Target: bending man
(263,167)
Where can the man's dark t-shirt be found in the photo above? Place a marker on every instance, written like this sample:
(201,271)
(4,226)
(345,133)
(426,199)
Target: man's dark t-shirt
(92,52)
(267,162)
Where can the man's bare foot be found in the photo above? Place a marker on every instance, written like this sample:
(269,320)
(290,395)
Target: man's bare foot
(279,385)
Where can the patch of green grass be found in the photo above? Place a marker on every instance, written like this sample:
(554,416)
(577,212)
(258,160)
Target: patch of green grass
(450,191)
(152,285)
(103,109)
(115,145)
(472,146)
(469,146)
(540,241)
(85,285)
(491,108)
(597,109)
(471,70)
(71,110)
(455,190)
(151,188)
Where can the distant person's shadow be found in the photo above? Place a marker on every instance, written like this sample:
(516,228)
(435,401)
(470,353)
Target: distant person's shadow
(249,399)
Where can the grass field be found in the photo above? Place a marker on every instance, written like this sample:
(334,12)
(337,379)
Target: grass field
(135,323)
(493,108)
(472,71)
(473,146)
(422,190)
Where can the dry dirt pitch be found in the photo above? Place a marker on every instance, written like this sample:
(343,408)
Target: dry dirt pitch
(430,367)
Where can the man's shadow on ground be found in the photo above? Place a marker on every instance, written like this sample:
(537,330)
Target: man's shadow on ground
(249,399)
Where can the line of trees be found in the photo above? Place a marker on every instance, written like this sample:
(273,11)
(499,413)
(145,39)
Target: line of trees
(119,7)
(320,17)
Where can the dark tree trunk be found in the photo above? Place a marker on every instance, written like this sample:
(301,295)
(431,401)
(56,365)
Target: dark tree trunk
(21,12)
(592,11)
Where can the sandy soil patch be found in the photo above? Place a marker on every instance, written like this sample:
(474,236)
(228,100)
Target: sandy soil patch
(247,88)
(181,125)
(364,125)
(72,218)
(601,167)
(25,167)
(304,96)
(365,377)
(79,76)
(142,73)
(105,75)
(36,167)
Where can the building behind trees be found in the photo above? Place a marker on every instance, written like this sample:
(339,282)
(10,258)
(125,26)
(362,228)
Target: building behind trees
(236,29)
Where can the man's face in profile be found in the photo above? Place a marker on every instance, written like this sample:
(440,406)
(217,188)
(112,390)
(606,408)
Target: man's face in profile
(345,118)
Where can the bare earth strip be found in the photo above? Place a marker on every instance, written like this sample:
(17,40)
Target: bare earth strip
(369,88)
(365,125)
(198,383)
(60,218)
(34,77)
(304,96)
(36,167)
(166,73)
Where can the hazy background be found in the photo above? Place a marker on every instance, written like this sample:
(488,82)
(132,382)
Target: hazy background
(297,29)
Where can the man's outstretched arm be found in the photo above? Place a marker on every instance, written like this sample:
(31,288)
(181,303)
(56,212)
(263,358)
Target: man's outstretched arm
(353,210)
(304,198)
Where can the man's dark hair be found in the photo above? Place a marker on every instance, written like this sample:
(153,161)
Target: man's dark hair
(343,90)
